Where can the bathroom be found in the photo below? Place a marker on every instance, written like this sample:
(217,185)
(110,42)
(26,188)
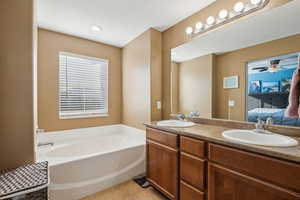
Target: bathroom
(161,108)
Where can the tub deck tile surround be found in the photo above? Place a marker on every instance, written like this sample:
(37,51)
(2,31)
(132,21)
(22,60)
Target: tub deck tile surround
(127,191)
(211,131)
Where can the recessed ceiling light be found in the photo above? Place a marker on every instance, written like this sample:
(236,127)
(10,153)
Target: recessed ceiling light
(96,28)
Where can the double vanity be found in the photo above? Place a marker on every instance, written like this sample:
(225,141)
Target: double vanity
(189,161)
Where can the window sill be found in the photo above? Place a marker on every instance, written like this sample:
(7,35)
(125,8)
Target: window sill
(82,116)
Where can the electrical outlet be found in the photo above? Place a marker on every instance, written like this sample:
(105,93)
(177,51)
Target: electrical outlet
(231,103)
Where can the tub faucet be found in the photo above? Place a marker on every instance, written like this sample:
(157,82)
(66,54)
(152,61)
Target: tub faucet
(41,144)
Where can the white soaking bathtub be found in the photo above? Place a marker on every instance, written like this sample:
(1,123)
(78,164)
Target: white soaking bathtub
(86,161)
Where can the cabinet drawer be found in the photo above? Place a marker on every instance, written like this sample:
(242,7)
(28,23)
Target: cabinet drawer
(226,184)
(192,170)
(162,137)
(187,192)
(278,172)
(192,146)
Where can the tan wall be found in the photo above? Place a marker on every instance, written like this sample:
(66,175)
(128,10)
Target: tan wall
(195,85)
(234,63)
(176,36)
(16,83)
(136,81)
(156,73)
(142,79)
(49,45)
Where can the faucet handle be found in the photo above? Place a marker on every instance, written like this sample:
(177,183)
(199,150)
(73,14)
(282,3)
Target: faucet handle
(181,116)
(260,121)
(40,130)
(194,114)
(269,121)
(260,124)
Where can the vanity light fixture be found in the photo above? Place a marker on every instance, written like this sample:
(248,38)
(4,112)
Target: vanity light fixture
(210,20)
(223,14)
(96,28)
(239,10)
(239,7)
(189,30)
(256,2)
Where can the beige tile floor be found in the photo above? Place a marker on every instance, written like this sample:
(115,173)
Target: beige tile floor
(127,191)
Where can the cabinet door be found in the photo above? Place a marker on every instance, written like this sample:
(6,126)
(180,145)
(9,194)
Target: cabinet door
(225,184)
(162,168)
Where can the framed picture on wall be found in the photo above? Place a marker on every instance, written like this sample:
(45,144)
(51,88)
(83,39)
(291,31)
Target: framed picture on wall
(231,82)
(270,86)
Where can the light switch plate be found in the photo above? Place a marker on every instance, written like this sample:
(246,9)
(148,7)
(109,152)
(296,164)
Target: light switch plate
(158,105)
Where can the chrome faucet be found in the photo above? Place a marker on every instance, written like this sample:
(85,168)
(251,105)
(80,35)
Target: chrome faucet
(40,144)
(260,125)
(181,117)
(194,114)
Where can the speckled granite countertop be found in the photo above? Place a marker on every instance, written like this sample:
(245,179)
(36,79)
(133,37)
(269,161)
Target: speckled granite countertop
(212,133)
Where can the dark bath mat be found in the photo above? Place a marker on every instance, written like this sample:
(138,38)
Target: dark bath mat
(142,182)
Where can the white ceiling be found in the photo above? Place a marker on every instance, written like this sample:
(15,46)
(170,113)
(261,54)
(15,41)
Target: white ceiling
(121,20)
(264,27)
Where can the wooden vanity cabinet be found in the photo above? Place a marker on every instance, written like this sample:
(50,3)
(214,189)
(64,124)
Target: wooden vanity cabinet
(162,162)
(184,168)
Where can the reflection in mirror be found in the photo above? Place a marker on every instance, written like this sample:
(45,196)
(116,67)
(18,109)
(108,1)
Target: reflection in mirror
(246,70)
(273,90)
(191,86)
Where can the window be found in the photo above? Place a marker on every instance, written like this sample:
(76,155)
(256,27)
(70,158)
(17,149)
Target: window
(82,86)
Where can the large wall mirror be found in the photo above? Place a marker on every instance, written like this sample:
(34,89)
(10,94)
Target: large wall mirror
(254,73)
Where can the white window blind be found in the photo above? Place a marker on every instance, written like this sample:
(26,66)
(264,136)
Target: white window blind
(82,86)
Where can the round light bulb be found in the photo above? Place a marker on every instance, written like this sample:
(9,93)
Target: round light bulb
(210,20)
(199,26)
(256,2)
(223,14)
(239,7)
(189,30)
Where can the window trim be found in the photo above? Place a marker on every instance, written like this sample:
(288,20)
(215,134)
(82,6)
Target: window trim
(83,114)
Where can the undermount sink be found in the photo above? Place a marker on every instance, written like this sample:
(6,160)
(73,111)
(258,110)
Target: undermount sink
(175,123)
(252,137)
